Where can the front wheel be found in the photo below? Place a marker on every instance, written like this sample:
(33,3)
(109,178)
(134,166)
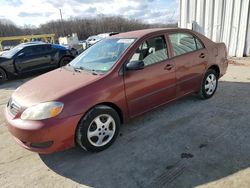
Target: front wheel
(209,84)
(64,61)
(98,129)
(3,76)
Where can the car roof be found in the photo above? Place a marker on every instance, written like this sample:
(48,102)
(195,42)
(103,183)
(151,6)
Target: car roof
(144,32)
(93,36)
(32,44)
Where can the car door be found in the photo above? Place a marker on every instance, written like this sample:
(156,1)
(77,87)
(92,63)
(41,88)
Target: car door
(189,56)
(33,58)
(42,56)
(155,83)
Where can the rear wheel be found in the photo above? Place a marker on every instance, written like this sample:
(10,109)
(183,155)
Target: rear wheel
(64,61)
(209,84)
(98,129)
(3,75)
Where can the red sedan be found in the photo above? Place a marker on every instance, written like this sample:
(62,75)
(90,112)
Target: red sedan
(118,78)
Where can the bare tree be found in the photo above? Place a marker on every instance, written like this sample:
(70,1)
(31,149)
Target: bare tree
(84,27)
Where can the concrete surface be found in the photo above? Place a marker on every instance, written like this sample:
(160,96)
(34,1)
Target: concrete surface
(187,143)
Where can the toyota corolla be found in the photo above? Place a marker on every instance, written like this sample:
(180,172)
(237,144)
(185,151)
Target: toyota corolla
(85,102)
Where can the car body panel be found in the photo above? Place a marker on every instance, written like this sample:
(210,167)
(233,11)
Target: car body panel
(146,92)
(37,90)
(27,132)
(8,65)
(189,72)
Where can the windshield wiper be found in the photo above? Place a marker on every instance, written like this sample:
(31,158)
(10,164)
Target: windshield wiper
(83,69)
(80,69)
(93,71)
(76,69)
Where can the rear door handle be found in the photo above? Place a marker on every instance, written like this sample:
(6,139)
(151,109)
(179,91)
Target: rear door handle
(168,67)
(202,55)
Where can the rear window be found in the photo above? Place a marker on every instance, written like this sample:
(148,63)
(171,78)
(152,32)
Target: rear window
(199,44)
(183,43)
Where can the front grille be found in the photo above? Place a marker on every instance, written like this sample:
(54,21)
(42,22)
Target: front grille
(13,107)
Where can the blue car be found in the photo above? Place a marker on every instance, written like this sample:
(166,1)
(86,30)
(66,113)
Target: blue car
(33,56)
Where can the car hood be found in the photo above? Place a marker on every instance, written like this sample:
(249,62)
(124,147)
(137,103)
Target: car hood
(52,86)
(3,59)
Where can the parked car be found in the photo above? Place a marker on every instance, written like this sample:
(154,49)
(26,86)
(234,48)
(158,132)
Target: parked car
(111,82)
(96,38)
(33,56)
(2,52)
(83,45)
(92,40)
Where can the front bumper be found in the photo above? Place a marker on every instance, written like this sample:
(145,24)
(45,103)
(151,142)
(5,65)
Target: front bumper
(43,136)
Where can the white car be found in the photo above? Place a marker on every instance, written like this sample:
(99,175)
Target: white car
(92,40)
(96,38)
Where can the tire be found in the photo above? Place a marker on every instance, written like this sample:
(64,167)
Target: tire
(3,75)
(64,61)
(209,84)
(93,133)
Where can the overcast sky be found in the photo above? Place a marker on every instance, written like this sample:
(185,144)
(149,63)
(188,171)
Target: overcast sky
(36,12)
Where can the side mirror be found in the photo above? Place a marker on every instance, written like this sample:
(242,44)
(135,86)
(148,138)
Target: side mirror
(21,54)
(135,65)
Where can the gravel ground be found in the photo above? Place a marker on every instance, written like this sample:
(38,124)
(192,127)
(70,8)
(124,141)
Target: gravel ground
(186,143)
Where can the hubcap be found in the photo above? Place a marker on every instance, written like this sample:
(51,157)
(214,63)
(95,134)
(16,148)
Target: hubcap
(210,84)
(1,75)
(101,130)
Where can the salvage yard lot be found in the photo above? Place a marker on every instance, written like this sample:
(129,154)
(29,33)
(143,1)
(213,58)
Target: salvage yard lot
(186,143)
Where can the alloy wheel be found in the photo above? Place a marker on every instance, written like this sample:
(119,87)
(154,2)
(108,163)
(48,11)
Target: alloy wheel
(210,84)
(101,130)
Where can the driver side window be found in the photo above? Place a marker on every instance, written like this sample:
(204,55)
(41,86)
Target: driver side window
(27,51)
(151,51)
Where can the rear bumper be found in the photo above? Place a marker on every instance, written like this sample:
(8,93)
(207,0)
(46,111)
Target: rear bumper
(44,136)
(223,67)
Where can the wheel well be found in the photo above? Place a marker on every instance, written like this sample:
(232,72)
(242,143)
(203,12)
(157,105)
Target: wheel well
(115,107)
(5,71)
(67,56)
(216,69)
(72,57)
(109,104)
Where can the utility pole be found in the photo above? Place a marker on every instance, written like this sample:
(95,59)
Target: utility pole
(62,22)
(61,14)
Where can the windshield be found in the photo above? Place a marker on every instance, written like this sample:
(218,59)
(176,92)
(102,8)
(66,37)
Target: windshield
(102,56)
(12,52)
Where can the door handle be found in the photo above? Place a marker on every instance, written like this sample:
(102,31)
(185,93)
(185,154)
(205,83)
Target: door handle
(168,67)
(202,55)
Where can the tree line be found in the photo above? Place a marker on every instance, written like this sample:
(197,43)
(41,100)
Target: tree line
(84,27)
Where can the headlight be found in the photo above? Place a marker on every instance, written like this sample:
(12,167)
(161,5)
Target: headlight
(42,111)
